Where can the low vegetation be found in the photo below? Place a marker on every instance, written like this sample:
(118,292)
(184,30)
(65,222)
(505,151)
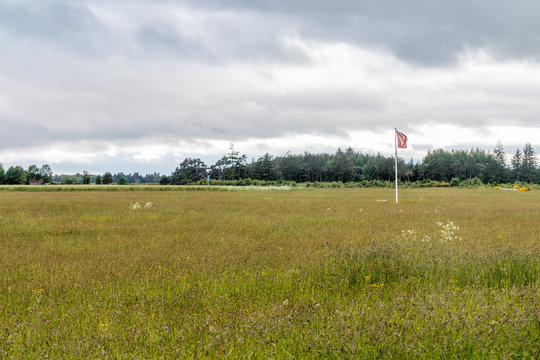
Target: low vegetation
(318,273)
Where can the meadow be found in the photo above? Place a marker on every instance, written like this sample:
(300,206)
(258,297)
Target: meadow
(313,273)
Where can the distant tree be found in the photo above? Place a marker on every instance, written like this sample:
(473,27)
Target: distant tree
(107,178)
(499,170)
(290,167)
(15,175)
(439,165)
(99,180)
(122,181)
(217,171)
(33,173)
(457,170)
(70,179)
(190,170)
(2,175)
(116,177)
(341,167)
(370,169)
(306,171)
(236,164)
(263,168)
(46,173)
(155,178)
(86,177)
(528,164)
(136,178)
(516,165)
(164,180)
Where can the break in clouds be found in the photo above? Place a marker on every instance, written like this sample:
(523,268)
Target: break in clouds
(140,84)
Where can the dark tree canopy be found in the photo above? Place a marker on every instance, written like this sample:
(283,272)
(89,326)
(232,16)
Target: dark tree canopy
(15,175)
(107,178)
(190,170)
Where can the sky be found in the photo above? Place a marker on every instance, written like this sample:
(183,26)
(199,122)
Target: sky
(139,85)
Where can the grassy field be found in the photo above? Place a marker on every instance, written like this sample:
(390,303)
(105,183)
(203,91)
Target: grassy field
(447,273)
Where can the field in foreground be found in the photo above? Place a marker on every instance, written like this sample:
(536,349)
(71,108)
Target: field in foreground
(447,273)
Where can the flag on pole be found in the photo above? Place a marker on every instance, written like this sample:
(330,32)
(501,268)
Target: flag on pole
(402,140)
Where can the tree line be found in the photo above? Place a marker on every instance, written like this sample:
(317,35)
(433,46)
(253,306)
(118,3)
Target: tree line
(352,166)
(342,166)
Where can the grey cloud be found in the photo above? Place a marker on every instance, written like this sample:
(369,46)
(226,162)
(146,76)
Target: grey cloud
(426,32)
(133,110)
(326,100)
(64,25)
(429,32)
(18,134)
(143,30)
(44,19)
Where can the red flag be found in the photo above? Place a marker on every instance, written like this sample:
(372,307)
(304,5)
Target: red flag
(401,140)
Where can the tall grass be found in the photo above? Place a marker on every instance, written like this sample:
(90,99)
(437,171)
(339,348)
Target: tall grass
(326,273)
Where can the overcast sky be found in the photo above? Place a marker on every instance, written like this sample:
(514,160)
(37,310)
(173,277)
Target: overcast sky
(138,85)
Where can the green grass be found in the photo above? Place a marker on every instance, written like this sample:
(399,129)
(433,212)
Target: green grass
(326,273)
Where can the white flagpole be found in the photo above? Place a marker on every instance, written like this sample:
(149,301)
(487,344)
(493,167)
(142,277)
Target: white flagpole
(395,146)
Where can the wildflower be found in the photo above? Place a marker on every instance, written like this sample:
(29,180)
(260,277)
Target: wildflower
(148,205)
(135,206)
(408,234)
(104,327)
(448,231)
(368,277)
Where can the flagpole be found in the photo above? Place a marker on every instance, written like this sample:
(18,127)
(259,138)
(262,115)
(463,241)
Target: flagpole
(395,147)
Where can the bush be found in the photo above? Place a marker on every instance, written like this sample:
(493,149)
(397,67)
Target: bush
(455,182)
(472,182)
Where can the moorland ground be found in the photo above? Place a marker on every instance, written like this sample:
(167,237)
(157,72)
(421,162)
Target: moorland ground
(326,273)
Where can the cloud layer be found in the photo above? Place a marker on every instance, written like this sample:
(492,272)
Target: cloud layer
(97,84)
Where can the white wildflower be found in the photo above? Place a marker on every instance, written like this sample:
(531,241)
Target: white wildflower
(135,206)
(448,231)
(408,234)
